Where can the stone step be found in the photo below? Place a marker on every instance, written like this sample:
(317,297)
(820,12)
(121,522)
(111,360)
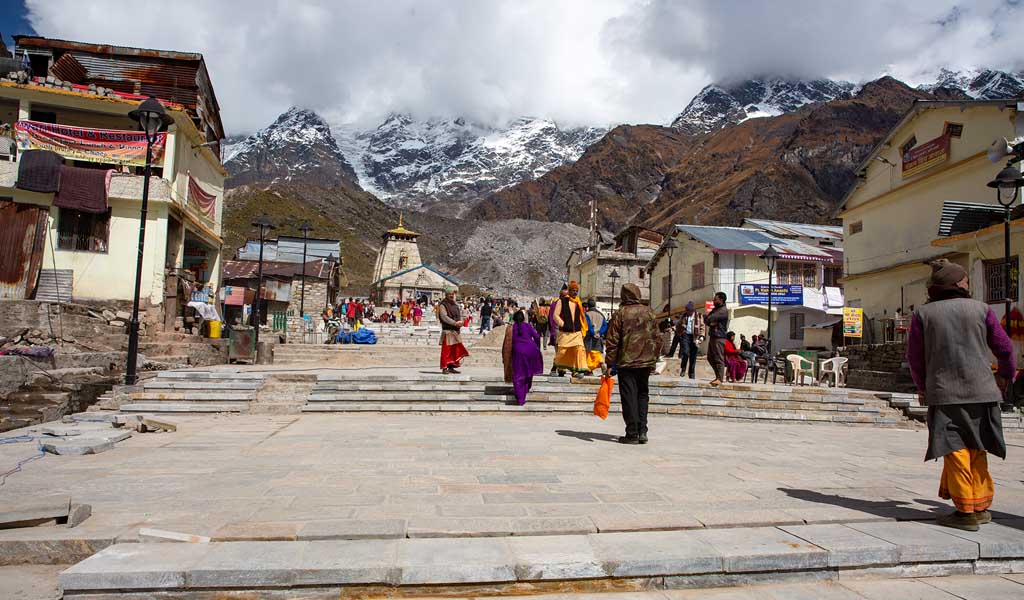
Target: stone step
(208,395)
(174,384)
(504,565)
(185,407)
(211,375)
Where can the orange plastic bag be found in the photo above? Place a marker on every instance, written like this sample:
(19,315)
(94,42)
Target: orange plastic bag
(604,397)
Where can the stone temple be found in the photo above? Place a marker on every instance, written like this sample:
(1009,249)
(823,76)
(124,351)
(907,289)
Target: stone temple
(400,273)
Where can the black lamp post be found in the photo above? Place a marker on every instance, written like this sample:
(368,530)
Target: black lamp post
(770,255)
(265,225)
(150,115)
(1007,185)
(305,228)
(670,245)
(614,276)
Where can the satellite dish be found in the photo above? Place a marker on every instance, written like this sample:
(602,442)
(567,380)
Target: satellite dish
(999,150)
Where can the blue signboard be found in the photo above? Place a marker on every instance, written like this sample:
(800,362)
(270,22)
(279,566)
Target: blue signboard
(787,294)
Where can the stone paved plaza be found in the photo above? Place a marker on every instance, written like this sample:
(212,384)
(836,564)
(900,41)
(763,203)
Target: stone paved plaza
(375,475)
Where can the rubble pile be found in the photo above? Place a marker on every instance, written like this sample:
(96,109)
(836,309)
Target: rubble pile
(52,82)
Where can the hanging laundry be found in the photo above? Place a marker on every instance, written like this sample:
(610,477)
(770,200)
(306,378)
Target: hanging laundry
(39,171)
(84,190)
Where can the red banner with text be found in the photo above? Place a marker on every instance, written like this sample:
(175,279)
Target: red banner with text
(112,146)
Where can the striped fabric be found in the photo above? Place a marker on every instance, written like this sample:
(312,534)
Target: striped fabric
(207,203)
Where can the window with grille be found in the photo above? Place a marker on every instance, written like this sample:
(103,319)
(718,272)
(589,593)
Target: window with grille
(82,231)
(796,326)
(795,272)
(994,279)
(640,273)
(856,227)
(697,276)
(832,275)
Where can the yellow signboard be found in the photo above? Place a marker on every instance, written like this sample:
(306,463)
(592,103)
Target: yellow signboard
(853,322)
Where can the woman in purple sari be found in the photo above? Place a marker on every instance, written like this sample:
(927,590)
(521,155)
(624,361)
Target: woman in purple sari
(520,354)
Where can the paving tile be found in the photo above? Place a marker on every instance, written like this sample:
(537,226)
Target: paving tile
(762,549)
(352,529)
(655,553)
(345,562)
(920,542)
(257,531)
(247,564)
(134,566)
(623,521)
(897,589)
(449,561)
(539,498)
(979,588)
(434,527)
(995,540)
(846,547)
(746,518)
(555,557)
(485,510)
(553,526)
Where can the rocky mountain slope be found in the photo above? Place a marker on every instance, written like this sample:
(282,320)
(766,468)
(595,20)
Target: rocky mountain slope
(298,147)
(442,163)
(982,84)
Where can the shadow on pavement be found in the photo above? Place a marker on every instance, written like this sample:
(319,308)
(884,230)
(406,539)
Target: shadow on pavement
(587,436)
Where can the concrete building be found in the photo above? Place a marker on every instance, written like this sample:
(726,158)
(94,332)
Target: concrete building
(627,256)
(400,273)
(712,259)
(75,91)
(935,156)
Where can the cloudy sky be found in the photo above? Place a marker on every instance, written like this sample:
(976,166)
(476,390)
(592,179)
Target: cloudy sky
(594,62)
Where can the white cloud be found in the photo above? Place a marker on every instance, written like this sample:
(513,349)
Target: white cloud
(576,61)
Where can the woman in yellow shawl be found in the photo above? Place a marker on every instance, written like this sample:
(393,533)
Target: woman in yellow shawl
(568,315)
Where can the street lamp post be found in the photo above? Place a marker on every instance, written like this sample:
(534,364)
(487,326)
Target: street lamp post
(265,225)
(1007,185)
(305,228)
(670,245)
(614,276)
(770,255)
(151,117)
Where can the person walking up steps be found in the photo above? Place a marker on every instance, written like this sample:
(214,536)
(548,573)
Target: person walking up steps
(717,322)
(450,315)
(632,346)
(948,351)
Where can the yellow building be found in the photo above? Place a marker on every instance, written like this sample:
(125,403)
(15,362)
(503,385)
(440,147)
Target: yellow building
(93,254)
(936,154)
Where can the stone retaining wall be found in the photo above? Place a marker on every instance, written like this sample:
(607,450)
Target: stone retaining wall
(880,367)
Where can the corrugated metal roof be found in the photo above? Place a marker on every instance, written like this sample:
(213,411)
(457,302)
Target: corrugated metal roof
(965,217)
(249,269)
(785,229)
(739,240)
(289,249)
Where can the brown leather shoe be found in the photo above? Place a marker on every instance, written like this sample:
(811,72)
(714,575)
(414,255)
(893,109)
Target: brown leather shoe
(983,517)
(959,520)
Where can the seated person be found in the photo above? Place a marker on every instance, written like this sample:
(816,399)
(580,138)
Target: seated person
(736,364)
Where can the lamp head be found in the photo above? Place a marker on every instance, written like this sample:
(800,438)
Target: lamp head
(1007,184)
(151,116)
(263,221)
(305,227)
(614,274)
(671,244)
(770,255)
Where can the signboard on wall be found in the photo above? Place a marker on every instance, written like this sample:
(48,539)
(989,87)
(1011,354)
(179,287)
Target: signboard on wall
(926,156)
(853,322)
(112,146)
(783,294)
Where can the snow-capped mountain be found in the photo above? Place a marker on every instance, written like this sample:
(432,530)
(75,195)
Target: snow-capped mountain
(421,163)
(981,84)
(298,146)
(718,106)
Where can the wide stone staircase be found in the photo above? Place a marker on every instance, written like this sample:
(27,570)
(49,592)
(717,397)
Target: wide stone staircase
(196,392)
(428,392)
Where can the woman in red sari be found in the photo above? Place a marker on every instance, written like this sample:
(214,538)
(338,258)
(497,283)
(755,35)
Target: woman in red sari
(736,365)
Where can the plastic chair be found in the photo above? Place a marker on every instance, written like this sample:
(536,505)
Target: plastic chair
(796,362)
(833,368)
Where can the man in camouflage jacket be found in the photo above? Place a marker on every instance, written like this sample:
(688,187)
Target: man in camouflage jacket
(632,346)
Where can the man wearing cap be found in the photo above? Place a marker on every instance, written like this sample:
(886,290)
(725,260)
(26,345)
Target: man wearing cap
(949,348)
(450,315)
(569,316)
(632,347)
(690,330)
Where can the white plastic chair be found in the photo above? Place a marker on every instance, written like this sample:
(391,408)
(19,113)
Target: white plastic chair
(833,367)
(796,363)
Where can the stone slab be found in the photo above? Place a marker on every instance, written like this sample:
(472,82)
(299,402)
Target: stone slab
(134,566)
(846,547)
(77,446)
(655,553)
(450,561)
(920,542)
(893,589)
(979,588)
(353,529)
(15,509)
(255,531)
(78,514)
(995,540)
(553,526)
(762,549)
(435,527)
(347,562)
(246,565)
(622,521)
(556,557)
